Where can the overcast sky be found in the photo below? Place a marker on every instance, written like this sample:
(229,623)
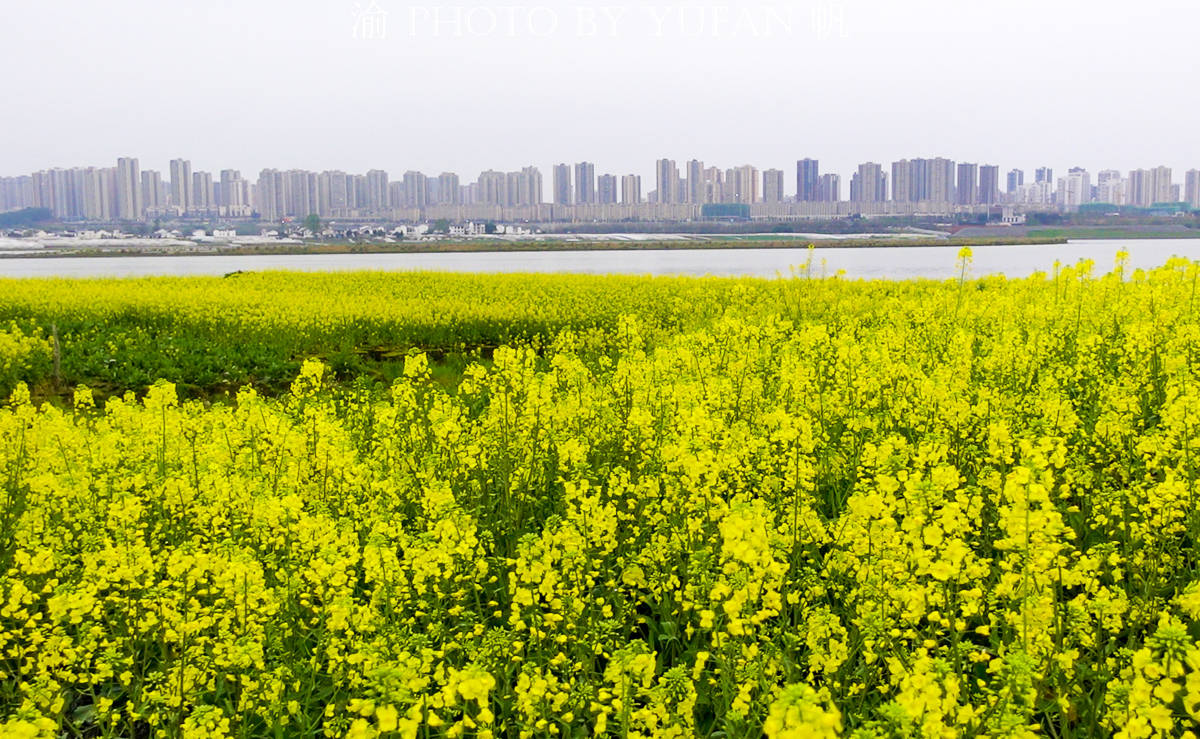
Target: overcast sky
(468,85)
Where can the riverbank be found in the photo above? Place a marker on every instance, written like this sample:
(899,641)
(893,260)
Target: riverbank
(532,245)
(1080,233)
(1113,233)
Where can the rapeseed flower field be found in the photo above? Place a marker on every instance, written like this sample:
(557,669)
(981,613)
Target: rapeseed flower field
(642,508)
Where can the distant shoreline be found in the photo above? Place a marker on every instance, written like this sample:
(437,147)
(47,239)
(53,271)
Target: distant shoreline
(481,247)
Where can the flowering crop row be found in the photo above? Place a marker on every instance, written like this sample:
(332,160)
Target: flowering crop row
(256,328)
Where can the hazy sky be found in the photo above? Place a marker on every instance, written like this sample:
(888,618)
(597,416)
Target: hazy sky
(468,85)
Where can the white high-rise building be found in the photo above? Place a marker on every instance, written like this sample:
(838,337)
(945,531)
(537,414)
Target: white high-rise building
(512,189)
(416,189)
(1149,186)
(631,189)
(905,181)
(667,181)
(773,186)
(56,190)
(940,188)
(714,185)
(1162,185)
(1016,178)
(920,180)
(829,188)
(741,184)
(606,189)
(268,195)
(1191,188)
(696,190)
(333,195)
(562,184)
(585,183)
(202,192)
(396,194)
(182,197)
(129,190)
(1110,187)
(378,196)
(234,200)
(1040,192)
(869,184)
(152,190)
(1075,189)
(989,184)
(98,193)
(531,186)
(448,188)
(300,193)
(492,187)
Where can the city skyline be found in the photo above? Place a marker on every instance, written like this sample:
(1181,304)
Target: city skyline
(789,164)
(127,192)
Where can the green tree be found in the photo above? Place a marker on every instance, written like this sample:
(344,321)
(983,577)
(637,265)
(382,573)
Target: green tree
(441,225)
(313,223)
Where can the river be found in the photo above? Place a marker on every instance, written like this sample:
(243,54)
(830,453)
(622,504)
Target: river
(891,262)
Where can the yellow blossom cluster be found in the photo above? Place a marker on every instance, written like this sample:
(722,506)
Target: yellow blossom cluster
(21,355)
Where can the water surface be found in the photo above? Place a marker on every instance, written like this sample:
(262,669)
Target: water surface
(890,262)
